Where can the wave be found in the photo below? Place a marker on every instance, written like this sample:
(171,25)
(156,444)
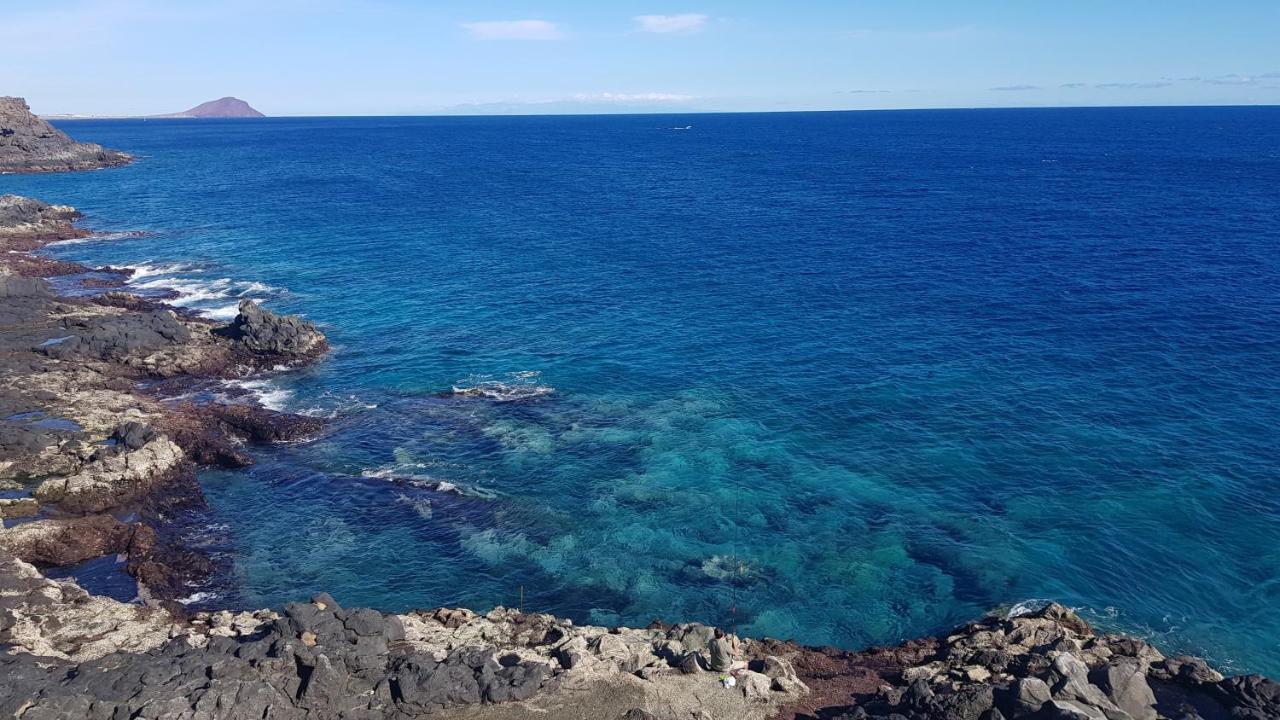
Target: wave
(225,312)
(397,474)
(267,393)
(198,597)
(104,236)
(208,297)
(120,235)
(142,270)
(330,405)
(1027,607)
(521,385)
(421,506)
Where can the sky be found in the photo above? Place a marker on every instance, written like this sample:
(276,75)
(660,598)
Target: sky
(406,57)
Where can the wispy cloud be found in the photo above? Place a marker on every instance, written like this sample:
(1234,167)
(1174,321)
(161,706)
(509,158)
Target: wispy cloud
(1132,85)
(1015,88)
(861,92)
(686,23)
(648,97)
(1234,79)
(1263,80)
(515,30)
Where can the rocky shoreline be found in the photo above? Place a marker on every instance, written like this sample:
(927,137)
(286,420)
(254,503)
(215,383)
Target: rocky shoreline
(30,144)
(89,460)
(82,444)
(94,463)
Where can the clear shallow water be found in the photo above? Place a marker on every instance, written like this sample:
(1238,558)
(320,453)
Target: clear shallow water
(904,367)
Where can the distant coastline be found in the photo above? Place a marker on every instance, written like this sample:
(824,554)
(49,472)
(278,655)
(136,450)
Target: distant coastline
(227,107)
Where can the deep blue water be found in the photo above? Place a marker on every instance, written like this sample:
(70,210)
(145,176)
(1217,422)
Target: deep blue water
(861,376)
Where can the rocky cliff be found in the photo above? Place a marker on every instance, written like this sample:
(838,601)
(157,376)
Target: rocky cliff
(29,144)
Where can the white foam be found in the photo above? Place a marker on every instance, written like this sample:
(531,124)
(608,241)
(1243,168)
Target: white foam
(247,288)
(401,473)
(225,312)
(518,385)
(208,297)
(268,394)
(197,597)
(420,506)
(121,235)
(142,270)
(106,236)
(1027,607)
(333,405)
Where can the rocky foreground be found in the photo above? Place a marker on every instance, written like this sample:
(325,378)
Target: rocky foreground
(94,461)
(81,443)
(30,144)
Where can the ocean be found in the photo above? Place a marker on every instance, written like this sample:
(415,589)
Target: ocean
(846,378)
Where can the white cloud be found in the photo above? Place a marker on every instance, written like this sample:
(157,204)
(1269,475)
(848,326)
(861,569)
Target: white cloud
(687,23)
(654,97)
(515,30)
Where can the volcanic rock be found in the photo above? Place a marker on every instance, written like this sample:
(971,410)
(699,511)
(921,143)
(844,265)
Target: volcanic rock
(227,107)
(30,144)
(262,332)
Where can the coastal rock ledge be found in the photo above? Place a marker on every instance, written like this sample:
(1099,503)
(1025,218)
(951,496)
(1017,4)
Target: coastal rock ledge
(29,144)
(71,654)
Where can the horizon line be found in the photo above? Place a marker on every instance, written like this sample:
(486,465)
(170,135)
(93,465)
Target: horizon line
(77,116)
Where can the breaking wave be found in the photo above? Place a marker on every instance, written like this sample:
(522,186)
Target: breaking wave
(399,474)
(216,299)
(522,385)
(268,394)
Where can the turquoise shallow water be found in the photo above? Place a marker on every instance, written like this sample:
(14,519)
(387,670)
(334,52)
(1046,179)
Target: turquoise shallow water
(846,377)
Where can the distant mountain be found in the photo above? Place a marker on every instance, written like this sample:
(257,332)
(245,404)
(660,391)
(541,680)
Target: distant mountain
(29,144)
(227,107)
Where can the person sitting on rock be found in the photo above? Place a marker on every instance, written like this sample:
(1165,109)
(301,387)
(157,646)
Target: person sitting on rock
(723,653)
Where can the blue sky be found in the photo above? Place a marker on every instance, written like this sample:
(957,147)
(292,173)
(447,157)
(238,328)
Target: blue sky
(362,57)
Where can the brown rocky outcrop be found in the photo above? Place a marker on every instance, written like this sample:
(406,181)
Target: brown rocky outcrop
(29,144)
(65,541)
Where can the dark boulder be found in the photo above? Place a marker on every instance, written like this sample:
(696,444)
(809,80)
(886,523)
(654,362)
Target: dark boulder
(133,435)
(1024,697)
(1249,697)
(421,684)
(257,424)
(115,338)
(262,332)
(1186,670)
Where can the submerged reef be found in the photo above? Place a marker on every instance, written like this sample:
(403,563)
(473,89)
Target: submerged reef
(100,436)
